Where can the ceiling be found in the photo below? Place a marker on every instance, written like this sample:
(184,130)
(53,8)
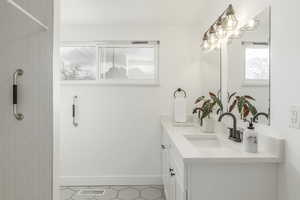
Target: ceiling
(133,12)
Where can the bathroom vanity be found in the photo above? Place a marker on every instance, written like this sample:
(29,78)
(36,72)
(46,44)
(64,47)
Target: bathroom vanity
(199,166)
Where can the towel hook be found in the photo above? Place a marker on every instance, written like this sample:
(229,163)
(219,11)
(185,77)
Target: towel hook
(179,90)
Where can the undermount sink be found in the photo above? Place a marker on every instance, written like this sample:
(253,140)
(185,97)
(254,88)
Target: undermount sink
(204,141)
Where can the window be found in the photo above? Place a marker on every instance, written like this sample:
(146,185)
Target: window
(79,63)
(257,65)
(110,62)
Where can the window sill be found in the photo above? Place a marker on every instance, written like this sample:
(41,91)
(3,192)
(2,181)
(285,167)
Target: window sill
(113,82)
(256,83)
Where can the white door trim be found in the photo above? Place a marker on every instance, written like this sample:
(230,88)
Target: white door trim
(56,101)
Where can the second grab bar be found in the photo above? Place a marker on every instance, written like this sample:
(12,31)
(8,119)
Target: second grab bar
(75,123)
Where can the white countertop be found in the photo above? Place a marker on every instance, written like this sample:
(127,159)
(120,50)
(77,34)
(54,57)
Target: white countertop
(269,148)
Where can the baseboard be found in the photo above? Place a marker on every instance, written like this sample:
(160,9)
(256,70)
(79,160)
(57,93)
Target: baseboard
(110,180)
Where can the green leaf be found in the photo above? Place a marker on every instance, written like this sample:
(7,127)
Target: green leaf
(205,103)
(205,114)
(245,111)
(212,105)
(230,96)
(219,94)
(212,94)
(241,101)
(232,106)
(195,110)
(252,108)
(199,99)
(249,97)
(218,101)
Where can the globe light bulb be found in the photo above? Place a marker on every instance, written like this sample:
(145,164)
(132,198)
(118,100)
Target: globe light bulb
(251,23)
(230,21)
(217,46)
(205,44)
(212,38)
(220,32)
(235,34)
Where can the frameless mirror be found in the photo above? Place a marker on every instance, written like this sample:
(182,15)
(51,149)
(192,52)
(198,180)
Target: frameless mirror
(249,67)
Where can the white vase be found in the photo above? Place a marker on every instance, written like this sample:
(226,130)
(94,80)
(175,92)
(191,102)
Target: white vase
(209,125)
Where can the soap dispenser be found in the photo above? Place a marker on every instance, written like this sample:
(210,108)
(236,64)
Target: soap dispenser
(250,138)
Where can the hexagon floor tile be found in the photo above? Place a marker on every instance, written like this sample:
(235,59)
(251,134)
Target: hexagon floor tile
(130,192)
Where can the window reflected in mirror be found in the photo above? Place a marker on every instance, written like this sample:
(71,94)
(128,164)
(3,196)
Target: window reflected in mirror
(257,64)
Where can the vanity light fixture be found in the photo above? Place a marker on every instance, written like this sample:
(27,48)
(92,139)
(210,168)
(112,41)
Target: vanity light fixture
(230,21)
(223,27)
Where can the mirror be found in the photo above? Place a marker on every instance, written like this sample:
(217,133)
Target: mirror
(248,64)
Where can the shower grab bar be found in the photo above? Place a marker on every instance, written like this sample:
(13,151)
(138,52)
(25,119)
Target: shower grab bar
(17,73)
(74,111)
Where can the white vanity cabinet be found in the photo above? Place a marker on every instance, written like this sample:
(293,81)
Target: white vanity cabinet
(189,174)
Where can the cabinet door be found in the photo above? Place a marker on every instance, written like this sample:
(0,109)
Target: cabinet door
(177,182)
(180,191)
(165,167)
(172,187)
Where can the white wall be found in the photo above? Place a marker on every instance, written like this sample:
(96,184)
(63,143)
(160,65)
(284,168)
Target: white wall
(210,72)
(284,93)
(118,138)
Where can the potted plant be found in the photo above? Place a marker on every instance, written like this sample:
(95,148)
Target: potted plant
(244,105)
(205,108)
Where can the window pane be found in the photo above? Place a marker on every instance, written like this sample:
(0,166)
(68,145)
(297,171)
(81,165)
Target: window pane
(257,63)
(129,63)
(79,63)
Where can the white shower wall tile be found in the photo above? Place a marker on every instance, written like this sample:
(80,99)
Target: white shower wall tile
(145,192)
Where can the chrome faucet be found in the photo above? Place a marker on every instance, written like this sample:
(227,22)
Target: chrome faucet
(235,135)
(255,118)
